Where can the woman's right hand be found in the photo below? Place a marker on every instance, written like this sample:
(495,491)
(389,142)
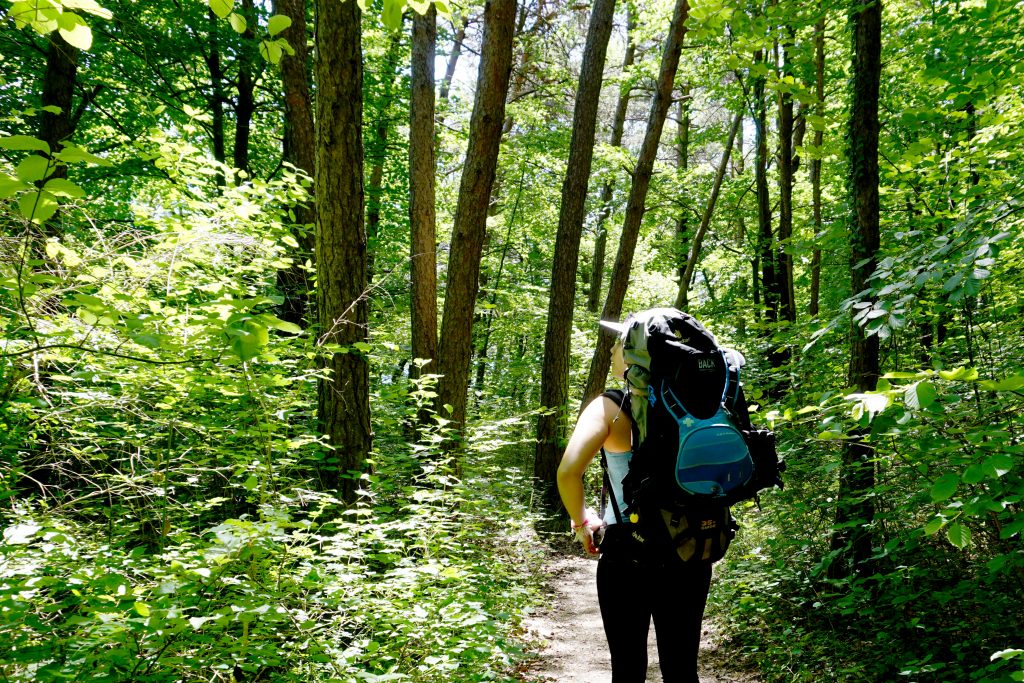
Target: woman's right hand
(585,531)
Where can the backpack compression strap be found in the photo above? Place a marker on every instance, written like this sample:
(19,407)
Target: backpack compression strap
(620,398)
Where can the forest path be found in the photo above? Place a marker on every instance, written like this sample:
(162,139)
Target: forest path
(569,637)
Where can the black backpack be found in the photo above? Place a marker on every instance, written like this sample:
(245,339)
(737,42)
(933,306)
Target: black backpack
(695,451)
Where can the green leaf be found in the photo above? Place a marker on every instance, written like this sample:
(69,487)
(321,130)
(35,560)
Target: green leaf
(933,526)
(959,535)
(89,6)
(33,168)
(142,609)
(251,483)
(392,14)
(945,487)
(222,8)
(959,374)
(20,143)
(64,188)
(38,206)
(75,31)
(10,186)
(278,23)
(998,465)
(920,395)
(1011,383)
(73,153)
(270,50)
(249,340)
(237,22)
(974,474)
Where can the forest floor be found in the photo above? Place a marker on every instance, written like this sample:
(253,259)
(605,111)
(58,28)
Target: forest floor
(567,637)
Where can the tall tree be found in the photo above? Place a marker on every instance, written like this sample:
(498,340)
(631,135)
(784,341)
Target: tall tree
(377,149)
(299,150)
(615,140)
(855,508)
(422,182)
(784,258)
(635,205)
(709,210)
(245,104)
(554,387)
(682,222)
(470,225)
(343,396)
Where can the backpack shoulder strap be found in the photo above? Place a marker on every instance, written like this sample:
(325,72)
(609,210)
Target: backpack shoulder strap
(622,399)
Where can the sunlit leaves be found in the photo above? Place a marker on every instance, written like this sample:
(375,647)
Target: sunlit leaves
(959,535)
(920,395)
(222,8)
(278,23)
(24,143)
(237,22)
(944,487)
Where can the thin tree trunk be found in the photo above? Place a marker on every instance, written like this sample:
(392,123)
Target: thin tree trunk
(55,128)
(554,386)
(299,150)
(217,97)
(855,508)
(422,207)
(815,165)
(784,259)
(456,348)
(246,103)
(637,197)
(709,210)
(343,397)
(769,284)
(618,124)
(682,223)
(453,62)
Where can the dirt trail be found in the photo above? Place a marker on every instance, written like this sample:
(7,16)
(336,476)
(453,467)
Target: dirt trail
(570,638)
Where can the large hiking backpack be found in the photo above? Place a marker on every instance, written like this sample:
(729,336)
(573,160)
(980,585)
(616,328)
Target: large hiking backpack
(695,452)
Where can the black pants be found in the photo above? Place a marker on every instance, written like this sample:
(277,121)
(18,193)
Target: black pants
(631,592)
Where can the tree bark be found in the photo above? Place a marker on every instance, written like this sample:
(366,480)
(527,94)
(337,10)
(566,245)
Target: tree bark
(615,140)
(58,91)
(246,103)
(682,223)
(855,508)
(299,150)
(709,210)
(343,397)
(554,386)
(787,307)
(453,61)
(422,207)
(769,282)
(455,349)
(637,197)
(217,98)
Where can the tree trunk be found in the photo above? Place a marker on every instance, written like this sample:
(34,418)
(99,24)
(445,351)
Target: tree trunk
(784,259)
(343,397)
(769,283)
(299,150)
(554,386)
(217,98)
(453,61)
(422,207)
(246,103)
(618,124)
(709,210)
(456,348)
(637,197)
(815,165)
(855,509)
(55,128)
(682,223)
